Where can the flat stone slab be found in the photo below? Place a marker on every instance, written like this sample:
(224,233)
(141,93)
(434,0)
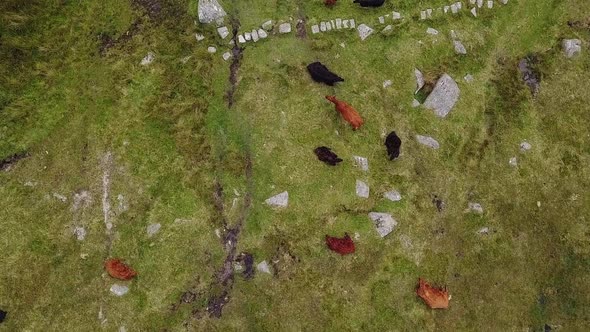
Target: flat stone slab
(285,28)
(80,233)
(475,208)
(119,290)
(262,33)
(513,162)
(211,49)
(263,267)
(571,47)
(393,195)
(210,11)
(280,200)
(384,222)
(223,32)
(419,79)
(443,97)
(387,31)
(525,146)
(255,36)
(153,229)
(362,163)
(338,23)
(432,31)
(396,15)
(199,37)
(315,29)
(459,47)
(149,58)
(362,189)
(364,31)
(267,25)
(427,141)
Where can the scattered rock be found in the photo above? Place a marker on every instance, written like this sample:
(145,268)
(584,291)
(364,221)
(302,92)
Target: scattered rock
(149,58)
(443,97)
(226,56)
(122,204)
(513,162)
(352,24)
(364,31)
(119,290)
(475,207)
(362,162)
(285,28)
(525,146)
(459,47)
(422,15)
(428,141)
(255,36)
(387,31)
(454,8)
(490,4)
(484,231)
(199,37)
(429,12)
(60,197)
(393,195)
(387,83)
(280,200)
(362,189)
(80,233)
(419,79)
(262,34)
(345,24)
(381,19)
(241,39)
(211,49)
(268,26)
(504,2)
(571,47)
(474,12)
(468,78)
(432,31)
(396,15)
(338,23)
(263,267)
(529,74)
(153,229)
(247,36)
(446,9)
(315,29)
(223,32)
(210,11)
(384,222)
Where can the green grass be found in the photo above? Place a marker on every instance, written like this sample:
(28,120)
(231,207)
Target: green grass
(172,135)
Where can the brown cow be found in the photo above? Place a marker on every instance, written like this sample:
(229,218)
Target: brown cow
(348,113)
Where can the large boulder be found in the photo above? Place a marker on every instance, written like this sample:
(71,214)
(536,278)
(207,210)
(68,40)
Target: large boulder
(443,97)
(210,11)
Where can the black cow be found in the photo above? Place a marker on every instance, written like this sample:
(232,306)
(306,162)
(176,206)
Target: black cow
(321,74)
(326,155)
(370,3)
(393,144)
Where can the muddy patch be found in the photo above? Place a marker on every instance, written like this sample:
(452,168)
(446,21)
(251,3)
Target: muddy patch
(246,261)
(7,163)
(301,31)
(438,203)
(284,261)
(107,42)
(235,64)
(153,8)
(530,75)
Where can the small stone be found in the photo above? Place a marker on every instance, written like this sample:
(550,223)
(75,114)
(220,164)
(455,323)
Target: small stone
(446,9)
(119,290)
(218,233)
(419,79)
(474,12)
(384,222)
(490,4)
(357,236)
(538,204)
(484,231)
(387,83)
(468,78)
(571,47)
(226,56)
(342,45)
(223,32)
(83,256)
(263,267)
(396,16)
(459,5)
(387,31)
(323,26)
(60,197)
(459,47)
(454,34)
(254,34)
(364,31)
(415,103)
(513,162)
(381,19)
(443,97)
(262,34)
(153,229)
(475,207)
(525,146)
(267,25)
(362,162)
(429,12)
(149,58)
(345,24)
(423,15)
(328,26)
(454,9)
(211,49)
(339,23)
(285,28)
(393,195)
(472,2)
(504,2)
(199,37)
(30,184)
(362,189)
(80,233)
(241,39)
(333,24)
(315,29)
(247,36)
(479,3)
(428,141)
(280,200)
(122,329)
(352,24)
(432,31)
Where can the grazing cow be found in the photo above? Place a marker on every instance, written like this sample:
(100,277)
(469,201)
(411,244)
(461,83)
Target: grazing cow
(321,74)
(370,3)
(348,113)
(393,143)
(326,155)
(329,3)
(343,246)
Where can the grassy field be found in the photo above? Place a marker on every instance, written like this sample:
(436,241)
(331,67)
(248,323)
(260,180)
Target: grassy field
(153,141)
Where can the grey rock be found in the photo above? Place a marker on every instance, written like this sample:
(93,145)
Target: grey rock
(362,189)
(247,36)
(285,28)
(333,24)
(454,9)
(345,24)
(60,197)
(459,47)
(223,32)
(474,11)
(396,15)
(315,29)
(446,9)
(262,34)
(427,141)
(423,15)
(472,2)
(459,5)
(280,200)
(504,2)
(387,83)
(119,290)
(571,47)
(364,31)
(149,58)
(210,11)
(443,97)
(153,229)
(387,31)
(254,34)
(328,26)
(393,195)
(263,267)
(211,49)
(80,233)
(419,79)
(323,26)
(362,162)
(468,78)
(525,146)
(483,231)
(381,19)
(475,208)
(199,37)
(454,34)
(490,4)
(268,26)
(352,23)
(429,12)
(479,3)
(513,162)
(432,31)
(384,222)
(338,23)
(241,39)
